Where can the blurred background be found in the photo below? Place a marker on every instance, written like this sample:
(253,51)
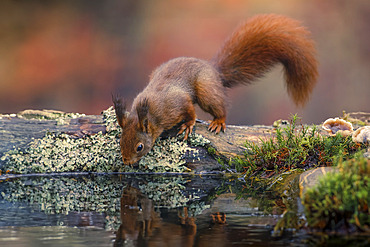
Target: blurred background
(71,55)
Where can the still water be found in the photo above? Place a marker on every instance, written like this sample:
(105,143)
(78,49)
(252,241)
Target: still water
(127,210)
(145,210)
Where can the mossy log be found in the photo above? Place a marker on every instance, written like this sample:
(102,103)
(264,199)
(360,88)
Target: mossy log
(18,130)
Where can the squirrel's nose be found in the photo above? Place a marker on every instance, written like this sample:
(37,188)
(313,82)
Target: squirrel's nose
(126,161)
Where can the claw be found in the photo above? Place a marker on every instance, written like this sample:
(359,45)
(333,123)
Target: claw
(187,129)
(217,125)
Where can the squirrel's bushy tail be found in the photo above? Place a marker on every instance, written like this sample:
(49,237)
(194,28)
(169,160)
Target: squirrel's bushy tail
(261,42)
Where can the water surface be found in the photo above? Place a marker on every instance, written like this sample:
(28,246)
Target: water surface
(127,210)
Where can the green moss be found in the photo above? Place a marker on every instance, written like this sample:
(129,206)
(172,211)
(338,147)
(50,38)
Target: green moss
(211,150)
(267,167)
(293,147)
(341,200)
(355,121)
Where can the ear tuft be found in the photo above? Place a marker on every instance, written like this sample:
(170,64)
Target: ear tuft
(120,109)
(142,110)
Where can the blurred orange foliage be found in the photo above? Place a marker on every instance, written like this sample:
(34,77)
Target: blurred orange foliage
(71,55)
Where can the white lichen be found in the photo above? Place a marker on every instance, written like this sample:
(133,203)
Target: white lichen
(98,153)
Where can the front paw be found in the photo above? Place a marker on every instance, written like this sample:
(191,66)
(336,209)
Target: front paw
(188,128)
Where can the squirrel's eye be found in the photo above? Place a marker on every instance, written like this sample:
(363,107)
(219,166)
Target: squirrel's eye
(140,147)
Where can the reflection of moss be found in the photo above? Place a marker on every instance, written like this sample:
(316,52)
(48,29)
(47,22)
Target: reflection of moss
(288,193)
(341,200)
(165,192)
(97,153)
(168,192)
(274,195)
(61,195)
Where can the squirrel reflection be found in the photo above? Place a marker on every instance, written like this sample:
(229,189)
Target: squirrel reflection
(141,224)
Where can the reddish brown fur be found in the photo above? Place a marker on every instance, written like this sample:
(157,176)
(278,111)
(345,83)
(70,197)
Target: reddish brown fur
(180,83)
(260,43)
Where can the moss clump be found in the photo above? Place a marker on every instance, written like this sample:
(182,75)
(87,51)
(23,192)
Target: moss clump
(341,200)
(294,147)
(61,153)
(97,153)
(165,156)
(211,150)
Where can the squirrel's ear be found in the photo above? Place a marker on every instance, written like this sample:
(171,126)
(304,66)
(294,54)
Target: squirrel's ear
(120,108)
(142,113)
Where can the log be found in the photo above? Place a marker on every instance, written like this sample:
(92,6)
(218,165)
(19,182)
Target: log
(18,130)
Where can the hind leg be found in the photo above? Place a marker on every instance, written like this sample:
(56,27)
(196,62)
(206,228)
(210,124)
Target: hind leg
(211,98)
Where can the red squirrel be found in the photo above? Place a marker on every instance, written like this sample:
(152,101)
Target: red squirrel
(175,86)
